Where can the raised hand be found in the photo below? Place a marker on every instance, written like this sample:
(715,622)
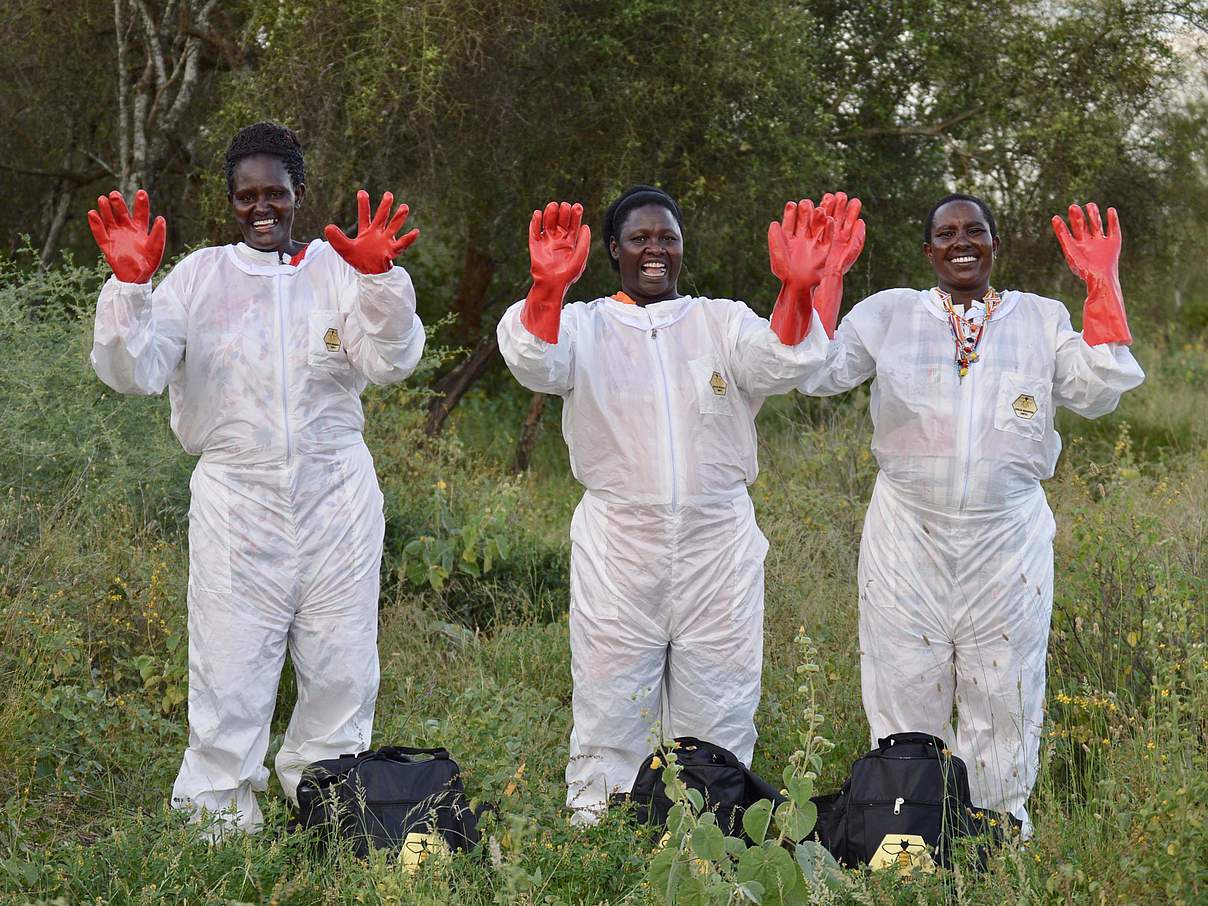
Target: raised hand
(559,242)
(133,252)
(845,248)
(375,247)
(1094,257)
(848,239)
(798,247)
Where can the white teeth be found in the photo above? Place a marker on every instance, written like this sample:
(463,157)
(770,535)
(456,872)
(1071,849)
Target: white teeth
(263,222)
(964,259)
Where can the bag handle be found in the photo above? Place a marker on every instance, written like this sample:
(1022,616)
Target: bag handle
(402,753)
(725,755)
(897,739)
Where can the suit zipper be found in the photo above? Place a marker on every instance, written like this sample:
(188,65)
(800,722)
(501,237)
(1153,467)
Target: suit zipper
(281,335)
(658,351)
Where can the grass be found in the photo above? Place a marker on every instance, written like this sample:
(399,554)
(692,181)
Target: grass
(92,654)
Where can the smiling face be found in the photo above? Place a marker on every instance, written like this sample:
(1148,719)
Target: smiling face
(263,199)
(649,249)
(961,250)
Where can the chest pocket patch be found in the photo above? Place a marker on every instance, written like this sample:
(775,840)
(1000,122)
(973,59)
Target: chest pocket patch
(325,341)
(714,389)
(1021,406)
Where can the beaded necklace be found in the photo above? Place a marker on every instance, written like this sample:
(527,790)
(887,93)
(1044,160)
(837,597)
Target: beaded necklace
(966,334)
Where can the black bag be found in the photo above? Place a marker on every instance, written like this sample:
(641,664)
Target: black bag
(388,799)
(728,786)
(904,804)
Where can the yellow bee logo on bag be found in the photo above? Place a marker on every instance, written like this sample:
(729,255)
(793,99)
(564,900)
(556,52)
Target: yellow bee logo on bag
(418,848)
(718,383)
(1025,406)
(331,340)
(905,852)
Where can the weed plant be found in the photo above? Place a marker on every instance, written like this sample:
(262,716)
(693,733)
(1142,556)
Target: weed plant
(93,502)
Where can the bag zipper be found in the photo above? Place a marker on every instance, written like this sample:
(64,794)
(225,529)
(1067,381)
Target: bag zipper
(898,803)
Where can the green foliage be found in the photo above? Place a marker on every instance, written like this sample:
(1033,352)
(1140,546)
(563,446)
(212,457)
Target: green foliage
(471,547)
(698,864)
(93,494)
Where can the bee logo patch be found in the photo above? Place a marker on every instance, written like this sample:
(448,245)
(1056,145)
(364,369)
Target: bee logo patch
(905,852)
(1025,406)
(331,340)
(718,383)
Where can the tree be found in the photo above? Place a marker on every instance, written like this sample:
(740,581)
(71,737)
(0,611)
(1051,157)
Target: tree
(100,96)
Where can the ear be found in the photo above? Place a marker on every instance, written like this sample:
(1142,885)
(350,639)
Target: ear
(927,250)
(613,250)
(299,194)
(994,245)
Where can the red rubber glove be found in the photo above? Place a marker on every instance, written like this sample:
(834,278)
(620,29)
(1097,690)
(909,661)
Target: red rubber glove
(845,248)
(133,253)
(375,248)
(798,247)
(1094,257)
(558,245)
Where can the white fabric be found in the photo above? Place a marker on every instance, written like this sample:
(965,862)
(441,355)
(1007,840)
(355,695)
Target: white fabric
(265,363)
(666,613)
(956,559)
(280,556)
(259,383)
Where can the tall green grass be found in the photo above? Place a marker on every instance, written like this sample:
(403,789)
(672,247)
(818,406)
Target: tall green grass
(93,496)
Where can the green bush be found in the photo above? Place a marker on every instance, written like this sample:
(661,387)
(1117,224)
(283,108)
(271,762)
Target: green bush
(93,495)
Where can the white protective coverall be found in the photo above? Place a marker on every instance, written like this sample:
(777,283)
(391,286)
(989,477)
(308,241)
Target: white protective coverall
(956,558)
(265,363)
(666,570)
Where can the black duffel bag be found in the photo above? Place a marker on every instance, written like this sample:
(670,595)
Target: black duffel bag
(391,798)
(727,785)
(903,806)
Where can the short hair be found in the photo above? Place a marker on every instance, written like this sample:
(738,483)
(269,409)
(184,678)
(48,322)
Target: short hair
(266,138)
(634,197)
(957,196)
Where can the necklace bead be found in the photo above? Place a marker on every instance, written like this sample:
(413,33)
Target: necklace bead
(967,333)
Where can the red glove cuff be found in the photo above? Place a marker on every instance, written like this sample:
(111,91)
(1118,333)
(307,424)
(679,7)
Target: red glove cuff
(827,298)
(542,312)
(793,314)
(1103,317)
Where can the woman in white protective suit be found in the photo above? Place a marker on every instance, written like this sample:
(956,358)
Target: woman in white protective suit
(660,394)
(956,558)
(265,347)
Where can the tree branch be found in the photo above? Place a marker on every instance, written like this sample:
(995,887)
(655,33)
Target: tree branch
(920,130)
(75,177)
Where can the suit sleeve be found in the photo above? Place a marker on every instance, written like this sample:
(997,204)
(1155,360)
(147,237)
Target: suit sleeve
(1090,380)
(138,337)
(849,363)
(383,336)
(762,364)
(540,366)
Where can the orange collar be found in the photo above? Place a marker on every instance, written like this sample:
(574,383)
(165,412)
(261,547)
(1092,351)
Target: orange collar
(622,298)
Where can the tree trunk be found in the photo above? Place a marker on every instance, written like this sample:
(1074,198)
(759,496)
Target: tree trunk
(529,433)
(471,299)
(453,386)
(59,204)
